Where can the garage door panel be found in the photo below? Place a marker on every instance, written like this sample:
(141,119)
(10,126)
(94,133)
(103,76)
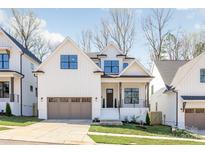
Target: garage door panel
(195,118)
(75,110)
(86,109)
(69,110)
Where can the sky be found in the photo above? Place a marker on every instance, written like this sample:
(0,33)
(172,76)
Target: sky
(59,23)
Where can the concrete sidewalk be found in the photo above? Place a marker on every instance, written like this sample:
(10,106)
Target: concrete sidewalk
(147,137)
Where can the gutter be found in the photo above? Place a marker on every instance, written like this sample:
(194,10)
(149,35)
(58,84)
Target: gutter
(21,90)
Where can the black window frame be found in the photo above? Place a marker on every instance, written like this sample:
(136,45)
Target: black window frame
(68,61)
(3,61)
(131,99)
(5,88)
(111,66)
(202,75)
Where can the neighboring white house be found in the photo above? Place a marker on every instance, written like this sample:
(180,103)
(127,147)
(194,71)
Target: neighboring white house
(107,85)
(178,90)
(18,86)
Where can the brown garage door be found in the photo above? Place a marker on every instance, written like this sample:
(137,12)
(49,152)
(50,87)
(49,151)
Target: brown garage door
(195,118)
(69,108)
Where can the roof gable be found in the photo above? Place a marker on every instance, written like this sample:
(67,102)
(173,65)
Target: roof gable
(65,41)
(168,69)
(135,68)
(111,47)
(20,46)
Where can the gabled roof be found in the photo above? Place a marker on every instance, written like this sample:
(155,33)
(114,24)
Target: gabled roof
(168,69)
(66,40)
(139,64)
(21,47)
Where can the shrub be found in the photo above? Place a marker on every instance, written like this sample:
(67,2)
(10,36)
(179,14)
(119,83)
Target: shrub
(126,120)
(8,109)
(147,119)
(96,120)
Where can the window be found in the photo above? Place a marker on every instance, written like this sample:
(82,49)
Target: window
(69,62)
(4,89)
(202,75)
(31,88)
(4,61)
(131,96)
(111,66)
(125,65)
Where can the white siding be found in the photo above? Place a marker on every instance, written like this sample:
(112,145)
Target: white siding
(58,82)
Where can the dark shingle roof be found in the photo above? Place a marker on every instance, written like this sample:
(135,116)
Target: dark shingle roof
(168,69)
(193,97)
(24,50)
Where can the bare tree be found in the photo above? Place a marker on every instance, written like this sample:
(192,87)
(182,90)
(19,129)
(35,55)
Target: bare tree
(102,38)
(122,28)
(171,46)
(155,30)
(86,40)
(192,45)
(26,28)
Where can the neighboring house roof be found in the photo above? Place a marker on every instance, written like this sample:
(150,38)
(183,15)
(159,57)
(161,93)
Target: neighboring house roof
(168,69)
(193,97)
(19,45)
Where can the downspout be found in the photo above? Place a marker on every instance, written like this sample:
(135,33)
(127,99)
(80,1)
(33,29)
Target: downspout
(21,91)
(177,103)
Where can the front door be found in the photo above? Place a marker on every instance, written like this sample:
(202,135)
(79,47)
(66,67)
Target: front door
(109,98)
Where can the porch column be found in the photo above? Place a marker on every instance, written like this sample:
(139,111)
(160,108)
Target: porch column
(12,90)
(120,94)
(147,88)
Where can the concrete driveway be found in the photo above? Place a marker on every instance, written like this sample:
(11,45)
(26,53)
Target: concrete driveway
(52,131)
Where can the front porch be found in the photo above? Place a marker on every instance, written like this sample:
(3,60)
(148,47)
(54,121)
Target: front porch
(123,99)
(10,91)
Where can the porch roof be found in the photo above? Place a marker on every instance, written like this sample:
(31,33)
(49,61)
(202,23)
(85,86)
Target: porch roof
(193,98)
(10,73)
(126,78)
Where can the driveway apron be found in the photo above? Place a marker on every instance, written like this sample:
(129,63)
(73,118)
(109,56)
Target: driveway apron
(52,131)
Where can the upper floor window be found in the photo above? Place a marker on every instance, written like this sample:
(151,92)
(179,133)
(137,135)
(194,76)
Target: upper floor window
(131,96)
(69,62)
(111,66)
(4,61)
(202,75)
(4,89)
(125,65)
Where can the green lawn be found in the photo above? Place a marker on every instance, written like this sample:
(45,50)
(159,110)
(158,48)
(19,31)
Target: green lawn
(3,128)
(133,129)
(17,120)
(139,141)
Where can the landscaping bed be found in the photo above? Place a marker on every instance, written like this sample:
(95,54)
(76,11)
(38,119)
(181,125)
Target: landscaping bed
(17,120)
(139,141)
(134,129)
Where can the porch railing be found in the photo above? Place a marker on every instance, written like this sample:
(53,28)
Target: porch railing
(142,103)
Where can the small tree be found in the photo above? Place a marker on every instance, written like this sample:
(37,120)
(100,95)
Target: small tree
(8,109)
(147,119)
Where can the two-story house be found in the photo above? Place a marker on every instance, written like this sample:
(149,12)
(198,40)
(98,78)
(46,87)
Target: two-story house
(178,91)
(18,86)
(107,85)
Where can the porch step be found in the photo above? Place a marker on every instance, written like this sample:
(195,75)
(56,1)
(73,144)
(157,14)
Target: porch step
(110,122)
(109,114)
